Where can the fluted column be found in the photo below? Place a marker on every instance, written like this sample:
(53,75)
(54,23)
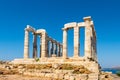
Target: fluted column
(40,46)
(47,48)
(58,50)
(64,43)
(26,44)
(44,45)
(34,46)
(76,41)
(51,50)
(61,50)
(88,32)
(54,48)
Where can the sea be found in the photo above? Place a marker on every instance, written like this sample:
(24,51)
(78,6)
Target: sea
(114,71)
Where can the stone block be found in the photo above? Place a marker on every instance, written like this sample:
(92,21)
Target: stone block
(58,71)
(61,76)
(41,74)
(66,77)
(49,75)
(72,78)
(56,76)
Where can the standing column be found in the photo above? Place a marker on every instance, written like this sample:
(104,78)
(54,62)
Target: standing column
(44,45)
(51,50)
(54,48)
(76,41)
(61,50)
(26,44)
(64,43)
(34,46)
(88,32)
(40,45)
(47,48)
(58,50)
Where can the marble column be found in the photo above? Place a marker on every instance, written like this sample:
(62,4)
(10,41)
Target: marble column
(44,45)
(88,34)
(26,44)
(34,46)
(76,41)
(61,50)
(94,52)
(40,46)
(51,50)
(47,48)
(95,47)
(64,43)
(54,48)
(58,50)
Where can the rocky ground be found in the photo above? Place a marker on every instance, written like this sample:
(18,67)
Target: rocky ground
(115,77)
(8,72)
(20,77)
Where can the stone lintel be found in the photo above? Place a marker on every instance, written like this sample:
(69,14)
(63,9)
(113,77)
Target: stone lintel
(39,31)
(70,25)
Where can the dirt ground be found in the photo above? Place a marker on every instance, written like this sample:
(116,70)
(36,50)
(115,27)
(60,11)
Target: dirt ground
(115,77)
(20,77)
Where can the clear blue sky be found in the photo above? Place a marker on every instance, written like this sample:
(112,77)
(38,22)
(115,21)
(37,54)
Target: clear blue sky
(52,15)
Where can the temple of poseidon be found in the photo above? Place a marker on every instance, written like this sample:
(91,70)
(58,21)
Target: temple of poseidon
(52,51)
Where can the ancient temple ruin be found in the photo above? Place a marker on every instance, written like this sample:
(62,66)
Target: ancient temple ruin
(58,51)
(45,44)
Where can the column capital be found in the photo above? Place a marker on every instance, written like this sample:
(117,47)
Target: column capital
(87,18)
(64,29)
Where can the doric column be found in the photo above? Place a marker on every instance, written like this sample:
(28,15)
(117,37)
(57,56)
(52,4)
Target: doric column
(58,50)
(26,44)
(47,48)
(34,45)
(61,50)
(88,32)
(54,50)
(76,41)
(94,52)
(44,45)
(51,50)
(64,43)
(40,45)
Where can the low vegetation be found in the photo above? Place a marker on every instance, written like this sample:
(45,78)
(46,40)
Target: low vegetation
(118,73)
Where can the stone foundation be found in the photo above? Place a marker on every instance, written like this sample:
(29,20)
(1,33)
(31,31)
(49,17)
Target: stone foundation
(90,65)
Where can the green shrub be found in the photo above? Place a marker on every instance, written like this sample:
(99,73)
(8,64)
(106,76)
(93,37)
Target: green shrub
(37,59)
(118,73)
